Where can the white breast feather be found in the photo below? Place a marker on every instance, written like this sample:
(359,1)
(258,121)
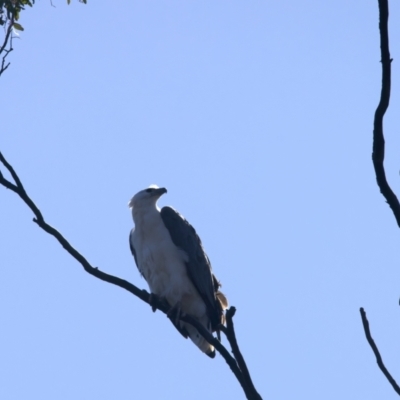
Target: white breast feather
(163,266)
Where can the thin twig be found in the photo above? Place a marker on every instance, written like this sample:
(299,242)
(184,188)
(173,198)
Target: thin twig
(9,30)
(378,147)
(242,375)
(3,47)
(374,348)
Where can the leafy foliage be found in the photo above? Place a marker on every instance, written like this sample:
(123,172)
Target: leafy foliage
(10,11)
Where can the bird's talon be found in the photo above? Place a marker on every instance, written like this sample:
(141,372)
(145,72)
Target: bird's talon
(153,302)
(175,313)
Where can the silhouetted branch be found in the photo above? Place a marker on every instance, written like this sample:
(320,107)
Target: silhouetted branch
(229,331)
(378,148)
(7,41)
(378,156)
(236,363)
(374,348)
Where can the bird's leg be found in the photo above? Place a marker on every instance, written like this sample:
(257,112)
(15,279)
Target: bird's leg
(175,313)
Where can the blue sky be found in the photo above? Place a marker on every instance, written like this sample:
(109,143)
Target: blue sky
(257,117)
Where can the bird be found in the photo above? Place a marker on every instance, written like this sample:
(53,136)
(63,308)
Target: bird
(170,256)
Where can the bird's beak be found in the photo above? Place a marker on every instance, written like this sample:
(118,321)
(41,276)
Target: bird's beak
(159,192)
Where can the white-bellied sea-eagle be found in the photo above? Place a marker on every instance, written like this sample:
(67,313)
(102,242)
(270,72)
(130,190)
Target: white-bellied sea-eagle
(170,256)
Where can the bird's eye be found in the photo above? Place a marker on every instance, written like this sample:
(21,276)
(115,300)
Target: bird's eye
(149,190)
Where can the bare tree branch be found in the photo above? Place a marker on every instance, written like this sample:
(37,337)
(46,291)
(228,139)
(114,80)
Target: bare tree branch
(374,348)
(236,363)
(231,336)
(4,66)
(8,33)
(378,148)
(378,156)
(7,41)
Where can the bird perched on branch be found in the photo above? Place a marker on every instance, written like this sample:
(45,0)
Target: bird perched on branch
(170,256)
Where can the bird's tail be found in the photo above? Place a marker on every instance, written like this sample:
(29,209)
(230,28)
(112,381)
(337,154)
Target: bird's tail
(198,340)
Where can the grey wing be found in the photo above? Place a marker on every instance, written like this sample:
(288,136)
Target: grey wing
(133,251)
(198,266)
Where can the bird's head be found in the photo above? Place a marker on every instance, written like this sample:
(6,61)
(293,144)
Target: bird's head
(147,197)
